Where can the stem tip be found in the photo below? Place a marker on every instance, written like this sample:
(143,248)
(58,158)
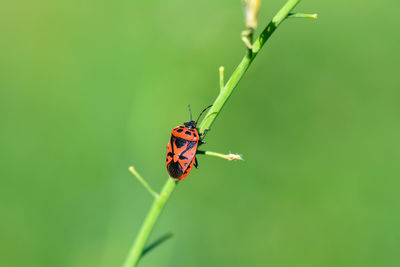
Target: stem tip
(234,157)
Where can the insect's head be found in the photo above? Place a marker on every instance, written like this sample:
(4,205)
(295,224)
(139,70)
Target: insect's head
(192,124)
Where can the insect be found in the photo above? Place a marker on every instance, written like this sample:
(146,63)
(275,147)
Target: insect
(182,148)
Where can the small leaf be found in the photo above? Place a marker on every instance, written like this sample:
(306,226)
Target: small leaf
(159,241)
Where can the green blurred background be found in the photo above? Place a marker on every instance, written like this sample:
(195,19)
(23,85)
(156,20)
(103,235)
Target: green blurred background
(88,88)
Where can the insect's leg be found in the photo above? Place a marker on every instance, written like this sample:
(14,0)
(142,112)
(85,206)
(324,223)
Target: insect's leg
(196,164)
(204,132)
(201,142)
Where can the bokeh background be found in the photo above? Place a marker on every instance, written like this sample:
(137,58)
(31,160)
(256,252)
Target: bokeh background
(88,88)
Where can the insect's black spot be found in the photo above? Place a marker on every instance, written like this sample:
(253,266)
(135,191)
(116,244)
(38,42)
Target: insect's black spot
(181,157)
(179,130)
(181,126)
(194,134)
(179,142)
(188,133)
(166,160)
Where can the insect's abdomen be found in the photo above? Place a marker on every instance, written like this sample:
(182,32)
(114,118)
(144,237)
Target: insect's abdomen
(180,157)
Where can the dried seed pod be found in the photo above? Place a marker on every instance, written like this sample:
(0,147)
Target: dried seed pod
(251,8)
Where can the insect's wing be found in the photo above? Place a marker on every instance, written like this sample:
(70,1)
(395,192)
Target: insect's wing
(170,154)
(174,168)
(187,171)
(186,152)
(180,157)
(188,157)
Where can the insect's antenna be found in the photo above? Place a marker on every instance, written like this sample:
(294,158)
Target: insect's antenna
(190,112)
(202,113)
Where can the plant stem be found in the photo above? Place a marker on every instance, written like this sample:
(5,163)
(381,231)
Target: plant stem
(244,65)
(148,224)
(143,181)
(229,156)
(225,92)
(303,15)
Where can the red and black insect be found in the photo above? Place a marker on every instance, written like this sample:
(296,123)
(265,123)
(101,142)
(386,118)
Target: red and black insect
(182,148)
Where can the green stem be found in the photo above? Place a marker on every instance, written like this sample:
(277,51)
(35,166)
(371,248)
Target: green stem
(244,65)
(303,15)
(158,204)
(229,156)
(143,182)
(148,224)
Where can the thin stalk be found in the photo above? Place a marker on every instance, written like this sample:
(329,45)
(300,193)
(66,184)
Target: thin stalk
(229,156)
(244,65)
(143,181)
(159,203)
(303,15)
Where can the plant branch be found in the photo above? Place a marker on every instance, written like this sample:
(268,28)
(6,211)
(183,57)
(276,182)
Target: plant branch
(229,156)
(159,203)
(244,65)
(303,15)
(143,182)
